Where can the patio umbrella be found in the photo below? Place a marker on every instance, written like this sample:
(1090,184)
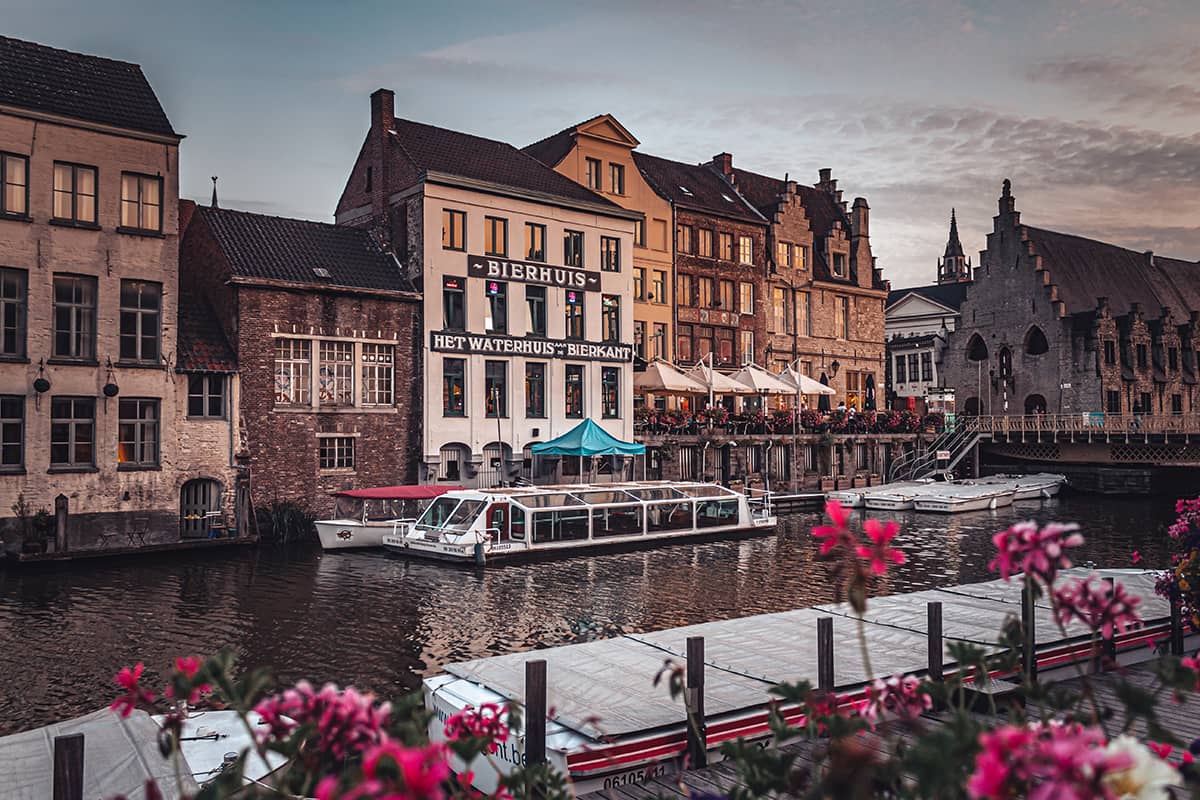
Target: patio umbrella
(761,381)
(806,385)
(823,400)
(717,382)
(661,377)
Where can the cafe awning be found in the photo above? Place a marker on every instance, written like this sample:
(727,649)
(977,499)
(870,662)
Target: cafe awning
(761,381)
(587,439)
(805,384)
(661,377)
(717,382)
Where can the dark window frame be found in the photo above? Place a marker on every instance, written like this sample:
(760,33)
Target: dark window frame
(138,315)
(574,318)
(496,305)
(74,218)
(594,173)
(610,318)
(450,408)
(616,178)
(573,246)
(451,216)
(535,310)
(337,452)
(141,204)
(201,391)
(573,398)
(497,386)
(5,211)
(490,227)
(10,423)
(139,425)
(610,254)
(610,393)
(449,293)
(535,389)
(82,315)
(532,231)
(18,304)
(72,440)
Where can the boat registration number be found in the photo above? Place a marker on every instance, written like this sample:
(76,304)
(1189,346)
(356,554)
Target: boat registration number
(639,775)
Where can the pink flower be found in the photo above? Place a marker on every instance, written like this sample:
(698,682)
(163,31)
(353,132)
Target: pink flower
(183,682)
(1101,606)
(838,534)
(1025,548)
(188,666)
(1135,557)
(344,721)
(135,694)
(880,552)
(1044,761)
(481,723)
(422,770)
(898,696)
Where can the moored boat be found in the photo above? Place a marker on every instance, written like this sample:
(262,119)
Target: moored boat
(857,498)
(479,525)
(952,498)
(1036,486)
(374,512)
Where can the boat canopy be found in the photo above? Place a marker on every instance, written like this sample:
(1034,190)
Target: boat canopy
(425,492)
(587,439)
(582,495)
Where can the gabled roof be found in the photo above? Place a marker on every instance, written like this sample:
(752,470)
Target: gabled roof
(433,149)
(762,191)
(553,149)
(948,295)
(82,87)
(202,344)
(694,186)
(301,251)
(823,210)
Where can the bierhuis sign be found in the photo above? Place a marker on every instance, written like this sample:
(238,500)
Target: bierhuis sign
(470,343)
(502,269)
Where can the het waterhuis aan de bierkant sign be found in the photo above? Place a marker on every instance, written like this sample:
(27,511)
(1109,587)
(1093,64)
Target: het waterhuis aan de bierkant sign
(481,344)
(501,269)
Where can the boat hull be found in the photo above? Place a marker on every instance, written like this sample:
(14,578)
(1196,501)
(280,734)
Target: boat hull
(888,502)
(847,498)
(955,505)
(344,534)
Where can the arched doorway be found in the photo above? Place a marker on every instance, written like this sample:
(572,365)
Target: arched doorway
(199,508)
(971,407)
(1035,404)
(1035,342)
(453,462)
(493,471)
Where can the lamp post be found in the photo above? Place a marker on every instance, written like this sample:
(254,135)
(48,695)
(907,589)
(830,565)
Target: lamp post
(499,441)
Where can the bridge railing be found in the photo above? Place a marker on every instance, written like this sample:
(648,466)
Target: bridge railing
(1084,423)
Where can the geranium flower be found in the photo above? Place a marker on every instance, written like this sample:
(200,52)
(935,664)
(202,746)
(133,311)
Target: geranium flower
(1045,761)
(482,723)
(880,551)
(899,696)
(1103,607)
(345,721)
(1023,547)
(837,534)
(129,679)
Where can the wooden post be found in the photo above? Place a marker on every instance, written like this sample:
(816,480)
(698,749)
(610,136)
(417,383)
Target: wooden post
(535,712)
(60,523)
(934,635)
(68,767)
(697,729)
(1108,644)
(825,654)
(1176,628)
(1028,633)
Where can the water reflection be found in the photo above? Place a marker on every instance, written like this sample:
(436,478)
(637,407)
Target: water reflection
(382,623)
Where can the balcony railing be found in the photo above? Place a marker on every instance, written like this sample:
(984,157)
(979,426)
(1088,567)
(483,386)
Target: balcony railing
(1085,423)
(713,421)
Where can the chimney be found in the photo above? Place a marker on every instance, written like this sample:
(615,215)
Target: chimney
(860,218)
(827,183)
(723,163)
(375,182)
(383,104)
(1150,257)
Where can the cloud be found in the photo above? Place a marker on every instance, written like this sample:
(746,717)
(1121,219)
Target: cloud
(1148,82)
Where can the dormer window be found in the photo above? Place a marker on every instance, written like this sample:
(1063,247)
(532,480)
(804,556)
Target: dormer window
(686,190)
(839,265)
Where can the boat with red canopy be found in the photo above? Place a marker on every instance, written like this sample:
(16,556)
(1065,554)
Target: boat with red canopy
(363,516)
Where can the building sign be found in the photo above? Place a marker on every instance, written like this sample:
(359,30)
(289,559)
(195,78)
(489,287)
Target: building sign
(520,346)
(706,316)
(544,274)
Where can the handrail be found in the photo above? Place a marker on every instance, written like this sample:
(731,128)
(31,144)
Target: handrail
(1085,422)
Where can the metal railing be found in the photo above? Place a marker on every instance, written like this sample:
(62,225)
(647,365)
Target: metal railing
(1084,423)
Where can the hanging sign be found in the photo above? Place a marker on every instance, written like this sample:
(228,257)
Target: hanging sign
(527,346)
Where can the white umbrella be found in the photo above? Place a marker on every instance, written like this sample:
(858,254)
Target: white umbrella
(805,384)
(661,377)
(761,381)
(717,382)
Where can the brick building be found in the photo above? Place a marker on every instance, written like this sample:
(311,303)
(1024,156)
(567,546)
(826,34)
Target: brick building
(326,337)
(1064,324)
(92,407)
(527,292)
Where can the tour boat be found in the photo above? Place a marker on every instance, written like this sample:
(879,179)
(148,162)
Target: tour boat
(1038,486)
(857,498)
(374,512)
(951,498)
(478,525)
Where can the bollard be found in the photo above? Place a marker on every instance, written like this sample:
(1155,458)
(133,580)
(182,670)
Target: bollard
(535,712)
(68,767)
(697,729)
(825,654)
(1176,627)
(60,523)
(480,559)
(1028,633)
(933,614)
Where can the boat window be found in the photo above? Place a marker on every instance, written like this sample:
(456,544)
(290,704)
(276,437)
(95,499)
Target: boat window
(596,498)
(617,521)
(546,500)
(715,513)
(560,526)
(517,530)
(659,493)
(704,490)
(438,512)
(465,514)
(669,516)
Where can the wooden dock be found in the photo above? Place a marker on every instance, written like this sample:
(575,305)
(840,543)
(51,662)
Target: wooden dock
(22,559)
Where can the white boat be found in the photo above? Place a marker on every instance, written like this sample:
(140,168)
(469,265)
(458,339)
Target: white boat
(898,496)
(951,498)
(479,525)
(857,498)
(372,513)
(1037,486)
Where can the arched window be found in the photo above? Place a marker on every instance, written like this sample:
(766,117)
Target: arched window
(976,349)
(1035,342)
(971,407)
(454,462)
(1035,404)
(494,471)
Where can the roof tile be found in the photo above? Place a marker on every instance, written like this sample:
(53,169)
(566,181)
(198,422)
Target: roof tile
(695,186)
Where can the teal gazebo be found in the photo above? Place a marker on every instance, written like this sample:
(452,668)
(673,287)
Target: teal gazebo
(584,440)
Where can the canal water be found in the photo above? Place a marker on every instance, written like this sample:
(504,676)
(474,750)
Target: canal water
(383,623)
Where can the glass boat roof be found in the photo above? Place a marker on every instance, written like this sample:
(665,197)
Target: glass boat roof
(607,493)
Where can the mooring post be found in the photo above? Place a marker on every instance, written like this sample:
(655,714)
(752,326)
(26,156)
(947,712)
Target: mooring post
(535,711)
(1108,644)
(68,767)
(1176,627)
(933,625)
(697,730)
(825,654)
(1028,633)
(60,523)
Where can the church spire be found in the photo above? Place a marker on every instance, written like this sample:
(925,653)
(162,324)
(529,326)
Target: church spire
(954,267)
(953,245)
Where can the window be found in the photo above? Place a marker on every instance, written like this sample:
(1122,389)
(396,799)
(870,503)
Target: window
(1176,404)
(727,301)
(639,232)
(610,392)
(977,348)
(804,313)
(141,306)
(683,343)
(926,366)
(839,265)
(206,396)
(12,433)
(535,242)
(13,300)
(747,346)
(610,254)
(137,433)
(1035,342)
(454,384)
(535,308)
(659,348)
(639,339)
(72,431)
(1112,402)
(801,258)
(454,229)
(658,288)
(495,236)
(454,304)
(1141,356)
(141,202)
(616,174)
(593,173)
(495,387)
(378,374)
(746,290)
(335,374)
(704,292)
(780,314)
(574,314)
(901,373)
(705,247)
(639,283)
(745,250)
(74,193)
(336,452)
(535,390)
(497,307)
(1146,405)
(293,358)
(74,317)
(683,238)
(574,391)
(855,385)
(913,366)
(783,254)
(1110,352)
(573,248)
(842,306)
(610,318)
(1173,357)
(725,244)
(14,183)
(704,341)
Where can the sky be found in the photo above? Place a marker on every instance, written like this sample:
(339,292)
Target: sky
(1090,107)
